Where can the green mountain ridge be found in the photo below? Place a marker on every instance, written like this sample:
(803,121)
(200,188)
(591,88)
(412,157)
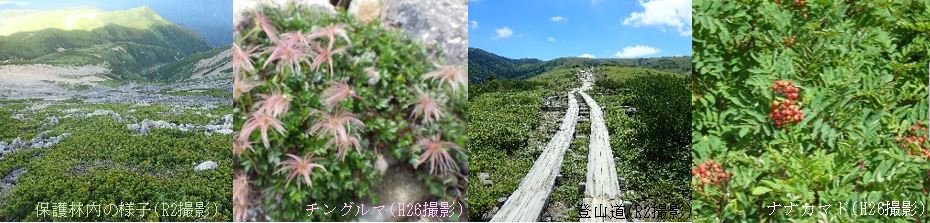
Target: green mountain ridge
(483,65)
(129,42)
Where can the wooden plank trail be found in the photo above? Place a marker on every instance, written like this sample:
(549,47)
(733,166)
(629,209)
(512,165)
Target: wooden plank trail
(602,190)
(527,202)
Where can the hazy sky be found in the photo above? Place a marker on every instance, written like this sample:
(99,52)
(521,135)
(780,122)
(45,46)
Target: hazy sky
(548,29)
(210,18)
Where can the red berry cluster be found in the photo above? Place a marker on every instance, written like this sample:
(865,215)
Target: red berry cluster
(786,111)
(786,88)
(709,173)
(914,140)
(787,42)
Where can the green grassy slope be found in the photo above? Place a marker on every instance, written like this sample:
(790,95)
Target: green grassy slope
(127,41)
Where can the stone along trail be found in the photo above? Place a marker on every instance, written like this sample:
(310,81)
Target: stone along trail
(602,186)
(527,202)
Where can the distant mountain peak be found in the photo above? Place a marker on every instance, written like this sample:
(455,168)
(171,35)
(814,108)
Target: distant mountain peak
(83,18)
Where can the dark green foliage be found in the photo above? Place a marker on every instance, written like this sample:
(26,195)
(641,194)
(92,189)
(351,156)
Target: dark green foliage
(484,66)
(861,67)
(653,145)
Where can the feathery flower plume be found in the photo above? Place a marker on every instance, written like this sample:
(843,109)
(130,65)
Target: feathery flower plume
(331,32)
(436,153)
(274,104)
(240,144)
(289,53)
(299,166)
(337,126)
(242,58)
(241,85)
(427,109)
(241,202)
(449,75)
(336,93)
(261,121)
(324,55)
(265,23)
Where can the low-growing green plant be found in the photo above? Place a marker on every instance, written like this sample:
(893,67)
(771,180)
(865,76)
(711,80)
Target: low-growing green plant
(105,163)
(321,99)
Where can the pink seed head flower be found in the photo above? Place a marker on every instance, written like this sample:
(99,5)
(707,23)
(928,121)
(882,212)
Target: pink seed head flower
(324,55)
(427,109)
(242,58)
(336,93)
(261,121)
(437,153)
(449,75)
(240,144)
(331,32)
(265,23)
(288,53)
(274,104)
(299,166)
(241,190)
(341,128)
(241,85)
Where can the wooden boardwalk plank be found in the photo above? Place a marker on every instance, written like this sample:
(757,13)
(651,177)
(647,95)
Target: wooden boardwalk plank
(602,186)
(527,202)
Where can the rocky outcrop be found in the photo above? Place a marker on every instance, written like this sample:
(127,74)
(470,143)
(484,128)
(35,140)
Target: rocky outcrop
(223,126)
(442,22)
(41,140)
(206,165)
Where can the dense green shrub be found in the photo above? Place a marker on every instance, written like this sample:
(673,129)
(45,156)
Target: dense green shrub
(861,70)
(652,144)
(105,163)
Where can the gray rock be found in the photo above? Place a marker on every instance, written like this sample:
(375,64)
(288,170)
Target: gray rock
(39,137)
(442,22)
(487,216)
(485,179)
(501,201)
(631,111)
(207,165)
(51,120)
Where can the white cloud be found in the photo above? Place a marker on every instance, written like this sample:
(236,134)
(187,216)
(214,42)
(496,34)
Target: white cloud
(473,24)
(636,51)
(587,55)
(503,33)
(663,14)
(4,2)
(551,39)
(557,19)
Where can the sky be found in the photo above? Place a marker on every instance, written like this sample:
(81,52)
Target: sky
(211,18)
(548,29)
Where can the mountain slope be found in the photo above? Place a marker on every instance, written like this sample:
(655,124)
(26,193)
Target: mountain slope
(127,41)
(214,62)
(483,65)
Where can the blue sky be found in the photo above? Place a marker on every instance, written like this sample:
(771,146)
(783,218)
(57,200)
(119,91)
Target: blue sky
(210,18)
(548,29)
